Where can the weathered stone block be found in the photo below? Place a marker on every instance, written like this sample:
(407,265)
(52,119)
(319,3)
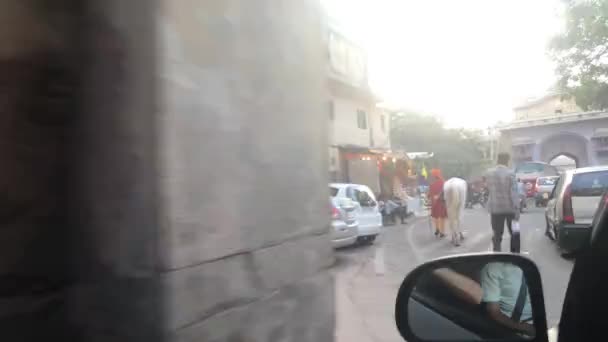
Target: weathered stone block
(243,135)
(301,312)
(291,261)
(195,293)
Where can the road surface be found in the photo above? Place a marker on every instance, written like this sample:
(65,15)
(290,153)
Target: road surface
(368,277)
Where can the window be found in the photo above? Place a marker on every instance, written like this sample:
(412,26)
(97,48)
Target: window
(382,123)
(333,192)
(589,184)
(547,180)
(330,109)
(361,119)
(362,197)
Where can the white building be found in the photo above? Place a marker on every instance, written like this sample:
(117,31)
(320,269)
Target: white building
(358,129)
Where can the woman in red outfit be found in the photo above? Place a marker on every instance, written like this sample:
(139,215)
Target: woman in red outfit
(438,209)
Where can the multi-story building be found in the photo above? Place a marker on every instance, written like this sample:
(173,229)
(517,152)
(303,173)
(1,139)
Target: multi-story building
(359,139)
(552,104)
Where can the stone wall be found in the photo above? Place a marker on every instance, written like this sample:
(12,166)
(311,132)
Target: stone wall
(233,94)
(171,185)
(243,171)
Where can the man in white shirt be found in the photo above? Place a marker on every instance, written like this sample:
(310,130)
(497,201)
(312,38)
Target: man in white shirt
(505,296)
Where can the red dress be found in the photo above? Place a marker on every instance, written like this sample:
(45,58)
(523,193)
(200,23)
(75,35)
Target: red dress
(438,209)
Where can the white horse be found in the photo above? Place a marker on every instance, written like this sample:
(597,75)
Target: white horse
(455,195)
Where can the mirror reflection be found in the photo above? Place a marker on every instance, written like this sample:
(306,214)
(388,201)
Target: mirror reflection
(471,301)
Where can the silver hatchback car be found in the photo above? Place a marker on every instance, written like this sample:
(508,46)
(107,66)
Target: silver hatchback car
(573,203)
(344,225)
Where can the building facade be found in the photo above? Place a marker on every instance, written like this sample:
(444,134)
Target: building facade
(359,131)
(553,127)
(550,105)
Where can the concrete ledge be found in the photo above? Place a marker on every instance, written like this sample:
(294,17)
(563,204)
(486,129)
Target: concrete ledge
(301,312)
(198,292)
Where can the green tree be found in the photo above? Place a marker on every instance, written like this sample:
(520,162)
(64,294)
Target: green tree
(457,152)
(581,53)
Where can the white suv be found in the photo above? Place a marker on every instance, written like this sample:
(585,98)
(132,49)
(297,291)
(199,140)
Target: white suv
(367,212)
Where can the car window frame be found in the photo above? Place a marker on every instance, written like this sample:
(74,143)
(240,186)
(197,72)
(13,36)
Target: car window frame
(559,186)
(368,192)
(576,190)
(555,188)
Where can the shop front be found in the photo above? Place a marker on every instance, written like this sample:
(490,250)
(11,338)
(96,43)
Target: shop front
(384,172)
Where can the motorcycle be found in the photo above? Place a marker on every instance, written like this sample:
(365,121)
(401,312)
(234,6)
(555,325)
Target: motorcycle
(477,197)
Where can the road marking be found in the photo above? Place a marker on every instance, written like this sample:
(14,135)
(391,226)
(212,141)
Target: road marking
(379,264)
(409,239)
(475,239)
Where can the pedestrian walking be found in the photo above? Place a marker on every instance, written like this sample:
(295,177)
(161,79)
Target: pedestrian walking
(503,202)
(438,209)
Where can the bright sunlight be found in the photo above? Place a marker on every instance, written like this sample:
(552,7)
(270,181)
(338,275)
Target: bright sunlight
(469,62)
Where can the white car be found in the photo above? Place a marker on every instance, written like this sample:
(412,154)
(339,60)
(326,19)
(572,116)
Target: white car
(367,212)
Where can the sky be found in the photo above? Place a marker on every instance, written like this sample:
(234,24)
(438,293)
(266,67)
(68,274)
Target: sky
(467,61)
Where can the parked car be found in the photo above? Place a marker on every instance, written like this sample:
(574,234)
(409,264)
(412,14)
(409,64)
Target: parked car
(367,212)
(544,187)
(573,203)
(528,173)
(343,222)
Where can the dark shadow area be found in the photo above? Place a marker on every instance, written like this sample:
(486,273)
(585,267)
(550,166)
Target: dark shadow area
(71,219)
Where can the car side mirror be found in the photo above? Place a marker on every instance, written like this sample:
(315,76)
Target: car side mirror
(475,297)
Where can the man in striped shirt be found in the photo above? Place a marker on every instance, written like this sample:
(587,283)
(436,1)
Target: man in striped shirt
(503,203)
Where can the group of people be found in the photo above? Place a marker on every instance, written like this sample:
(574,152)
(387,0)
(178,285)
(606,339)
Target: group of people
(502,289)
(448,199)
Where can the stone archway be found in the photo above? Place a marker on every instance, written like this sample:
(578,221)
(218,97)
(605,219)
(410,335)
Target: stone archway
(568,144)
(564,162)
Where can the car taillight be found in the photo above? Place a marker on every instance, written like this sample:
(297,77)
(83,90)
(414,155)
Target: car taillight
(567,206)
(335,213)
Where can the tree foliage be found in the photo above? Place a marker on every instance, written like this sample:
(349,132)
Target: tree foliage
(581,53)
(457,152)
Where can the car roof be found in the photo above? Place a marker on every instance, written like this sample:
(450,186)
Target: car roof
(588,169)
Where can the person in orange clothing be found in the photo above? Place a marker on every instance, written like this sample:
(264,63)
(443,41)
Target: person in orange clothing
(438,208)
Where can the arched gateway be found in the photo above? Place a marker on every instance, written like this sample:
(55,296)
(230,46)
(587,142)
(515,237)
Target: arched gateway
(581,136)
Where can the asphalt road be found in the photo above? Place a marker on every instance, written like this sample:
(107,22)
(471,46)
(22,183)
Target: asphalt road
(368,277)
